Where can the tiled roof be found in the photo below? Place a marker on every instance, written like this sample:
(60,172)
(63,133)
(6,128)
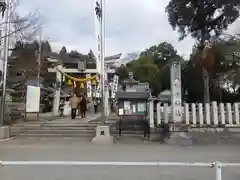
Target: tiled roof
(116,56)
(133,95)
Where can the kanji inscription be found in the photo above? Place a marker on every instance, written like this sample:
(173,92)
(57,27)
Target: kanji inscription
(176,92)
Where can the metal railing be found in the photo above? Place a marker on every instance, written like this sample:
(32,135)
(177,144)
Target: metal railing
(217,165)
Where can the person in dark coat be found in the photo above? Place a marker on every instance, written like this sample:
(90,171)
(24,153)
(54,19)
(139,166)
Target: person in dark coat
(83,106)
(95,105)
(165,133)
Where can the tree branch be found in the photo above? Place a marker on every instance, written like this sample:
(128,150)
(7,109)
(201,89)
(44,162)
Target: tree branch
(13,32)
(20,24)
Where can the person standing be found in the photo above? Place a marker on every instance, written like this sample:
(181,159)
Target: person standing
(61,107)
(74,101)
(83,106)
(95,105)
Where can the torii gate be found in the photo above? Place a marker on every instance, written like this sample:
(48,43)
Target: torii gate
(81,69)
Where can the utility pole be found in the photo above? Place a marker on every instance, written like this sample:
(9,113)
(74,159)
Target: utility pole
(39,58)
(102,130)
(5,59)
(39,63)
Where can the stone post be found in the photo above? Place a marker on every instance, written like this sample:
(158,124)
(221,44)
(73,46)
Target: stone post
(151,113)
(158,113)
(176,92)
(5,131)
(207,113)
(166,114)
(200,113)
(236,113)
(57,93)
(186,113)
(215,113)
(229,114)
(194,114)
(222,113)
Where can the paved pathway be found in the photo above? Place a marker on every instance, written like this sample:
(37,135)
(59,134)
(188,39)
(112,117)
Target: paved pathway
(58,149)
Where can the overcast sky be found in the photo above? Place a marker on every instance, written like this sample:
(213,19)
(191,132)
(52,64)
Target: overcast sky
(131,25)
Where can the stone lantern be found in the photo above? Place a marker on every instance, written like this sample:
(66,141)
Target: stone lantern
(130,83)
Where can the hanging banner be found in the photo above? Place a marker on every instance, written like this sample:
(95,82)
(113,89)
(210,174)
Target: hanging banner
(115,85)
(89,86)
(94,87)
(98,89)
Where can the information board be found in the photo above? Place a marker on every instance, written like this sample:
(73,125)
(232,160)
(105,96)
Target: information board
(33,99)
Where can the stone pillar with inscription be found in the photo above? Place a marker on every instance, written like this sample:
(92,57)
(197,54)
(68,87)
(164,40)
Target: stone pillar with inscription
(177,136)
(176,92)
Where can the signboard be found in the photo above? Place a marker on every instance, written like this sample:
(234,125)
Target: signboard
(33,99)
(141,85)
(176,89)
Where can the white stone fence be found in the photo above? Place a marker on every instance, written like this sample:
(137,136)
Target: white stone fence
(197,114)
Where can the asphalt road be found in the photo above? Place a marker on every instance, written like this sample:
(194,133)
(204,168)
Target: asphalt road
(56,149)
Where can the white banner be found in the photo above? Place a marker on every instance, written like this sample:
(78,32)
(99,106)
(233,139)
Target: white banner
(89,86)
(33,99)
(115,85)
(98,89)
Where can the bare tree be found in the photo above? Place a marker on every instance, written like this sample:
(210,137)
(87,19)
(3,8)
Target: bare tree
(23,28)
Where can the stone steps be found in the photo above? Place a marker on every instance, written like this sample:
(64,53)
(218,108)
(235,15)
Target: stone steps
(65,130)
(86,131)
(90,135)
(54,126)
